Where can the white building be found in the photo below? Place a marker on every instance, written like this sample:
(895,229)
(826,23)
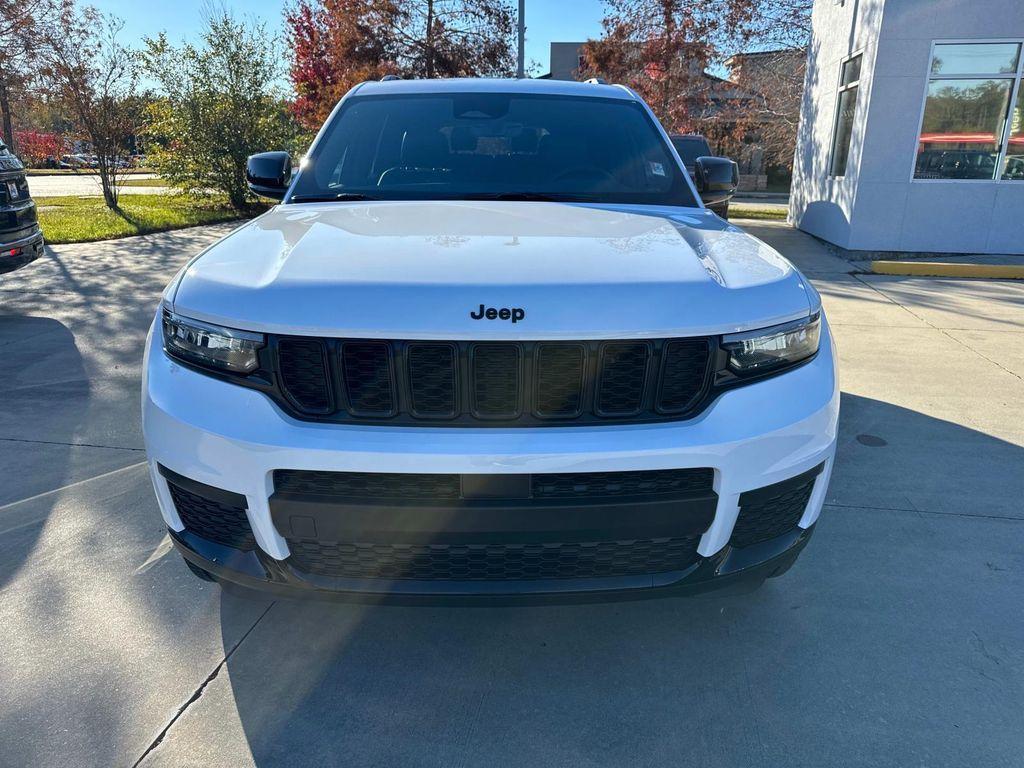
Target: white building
(912,126)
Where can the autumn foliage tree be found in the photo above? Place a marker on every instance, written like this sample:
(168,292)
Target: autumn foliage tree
(661,49)
(36,147)
(337,44)
(96,75)
(24,29)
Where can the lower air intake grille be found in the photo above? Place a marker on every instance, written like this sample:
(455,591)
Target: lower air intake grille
(369,486)
(574,485)
(772,510)
(429,488)
(494,562)
(214,520)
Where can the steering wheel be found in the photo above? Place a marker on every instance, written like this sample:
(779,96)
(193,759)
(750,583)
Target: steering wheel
(584,170)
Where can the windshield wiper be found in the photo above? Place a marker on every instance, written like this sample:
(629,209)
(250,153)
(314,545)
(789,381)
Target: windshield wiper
(332,197)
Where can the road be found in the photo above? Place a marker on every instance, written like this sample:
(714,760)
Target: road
(896,640)
(69,185)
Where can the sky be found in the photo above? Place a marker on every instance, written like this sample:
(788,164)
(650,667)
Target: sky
(546,20)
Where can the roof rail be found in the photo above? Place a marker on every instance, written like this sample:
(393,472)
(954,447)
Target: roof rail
(389,78)
(596,81)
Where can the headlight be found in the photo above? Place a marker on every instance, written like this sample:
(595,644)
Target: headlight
(211,346)
(769,349)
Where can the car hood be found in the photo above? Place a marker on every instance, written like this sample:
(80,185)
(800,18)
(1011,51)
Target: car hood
(422,269)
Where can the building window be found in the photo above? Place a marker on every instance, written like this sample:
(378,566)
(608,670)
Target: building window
(846,108)
(973,113)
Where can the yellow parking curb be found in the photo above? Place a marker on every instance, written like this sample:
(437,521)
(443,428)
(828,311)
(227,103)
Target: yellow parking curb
(943,269)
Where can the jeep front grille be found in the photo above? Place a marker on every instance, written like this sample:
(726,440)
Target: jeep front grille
(491,383)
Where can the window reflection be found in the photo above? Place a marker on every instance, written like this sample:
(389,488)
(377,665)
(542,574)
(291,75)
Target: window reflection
(968,130)
(1013,169)
(975,59)
(962,129)
(846,110)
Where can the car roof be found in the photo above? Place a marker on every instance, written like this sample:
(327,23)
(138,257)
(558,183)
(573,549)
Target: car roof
(493,85)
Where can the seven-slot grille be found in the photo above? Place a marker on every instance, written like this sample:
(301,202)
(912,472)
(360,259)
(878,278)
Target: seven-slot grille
(493,383)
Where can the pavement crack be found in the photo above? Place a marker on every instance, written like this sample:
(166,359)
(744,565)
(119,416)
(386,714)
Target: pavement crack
(920,512)
(198,693)
(979,646)
(943,331)
(72,445)
(62,488)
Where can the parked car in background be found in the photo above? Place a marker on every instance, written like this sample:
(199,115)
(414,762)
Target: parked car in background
(955,164)
(715,177)
(21,240)
(74,162)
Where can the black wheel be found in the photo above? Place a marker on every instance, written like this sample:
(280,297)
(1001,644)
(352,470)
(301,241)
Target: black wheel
(200,573)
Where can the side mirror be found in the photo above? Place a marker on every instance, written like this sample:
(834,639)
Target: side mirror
(716,179)
(269,173)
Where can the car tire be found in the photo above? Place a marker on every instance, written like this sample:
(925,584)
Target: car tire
(200,573)
(722,210)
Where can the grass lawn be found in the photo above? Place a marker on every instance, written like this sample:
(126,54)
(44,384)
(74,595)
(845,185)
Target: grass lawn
(740,211)
(85,219)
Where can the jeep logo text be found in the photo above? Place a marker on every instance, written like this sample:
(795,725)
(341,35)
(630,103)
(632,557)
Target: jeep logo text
(515,314)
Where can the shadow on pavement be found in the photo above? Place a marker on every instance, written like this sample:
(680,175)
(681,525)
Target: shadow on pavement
(30,346)
(893,640)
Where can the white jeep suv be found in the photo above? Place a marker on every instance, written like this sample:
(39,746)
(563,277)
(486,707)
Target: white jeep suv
(489,343)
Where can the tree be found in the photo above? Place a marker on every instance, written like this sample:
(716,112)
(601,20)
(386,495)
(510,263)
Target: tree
(96,76)
(218,106)
(777,79)
(664,49)
(24,27)
(337,44)
(36,147)
(661,49)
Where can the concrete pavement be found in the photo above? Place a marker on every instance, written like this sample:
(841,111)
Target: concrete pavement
(896,640)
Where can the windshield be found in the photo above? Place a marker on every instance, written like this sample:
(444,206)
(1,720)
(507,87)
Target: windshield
(504,146)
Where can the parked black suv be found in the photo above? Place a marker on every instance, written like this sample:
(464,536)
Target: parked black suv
(716,178)
(21,240)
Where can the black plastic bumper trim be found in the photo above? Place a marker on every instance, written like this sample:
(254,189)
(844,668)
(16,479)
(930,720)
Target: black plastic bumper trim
(768,492)
(485,521)
(729,567)
(211,492)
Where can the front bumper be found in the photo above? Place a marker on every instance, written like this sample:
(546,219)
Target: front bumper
(18,249)
(232,438)
(729,568)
